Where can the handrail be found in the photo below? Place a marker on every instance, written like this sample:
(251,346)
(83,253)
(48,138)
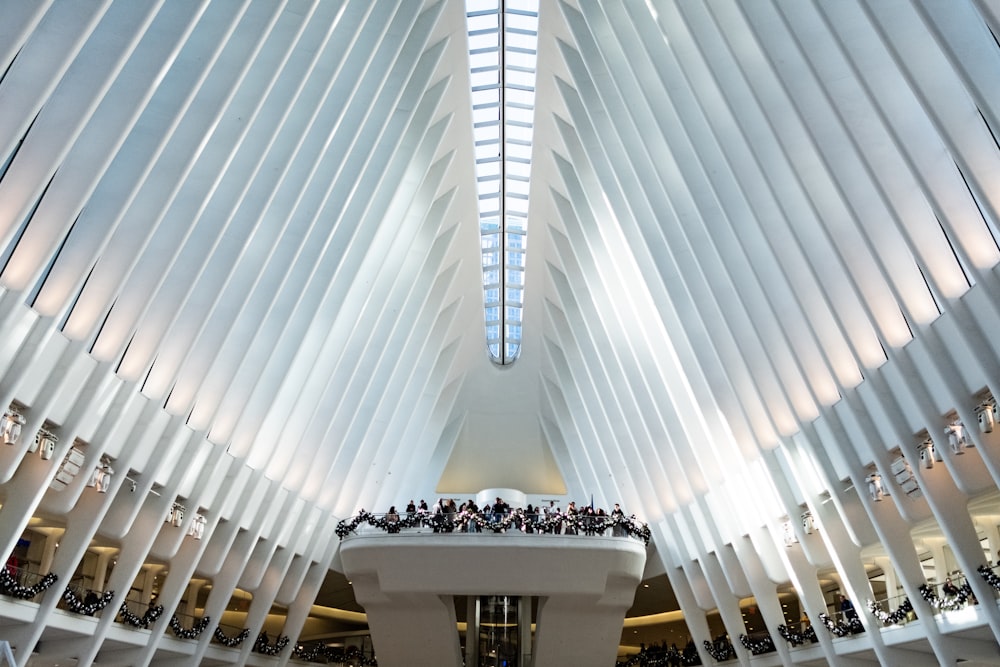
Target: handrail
(655,656)
(14,582)
(223,634)
(516,521)
(883,612)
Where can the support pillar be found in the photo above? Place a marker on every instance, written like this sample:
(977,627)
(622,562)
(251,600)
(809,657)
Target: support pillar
(472,630)
(527,646)
(49,550)
(405,583)
(101,569)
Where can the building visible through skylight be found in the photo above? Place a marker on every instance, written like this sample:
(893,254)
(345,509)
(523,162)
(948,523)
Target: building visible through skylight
(503,50)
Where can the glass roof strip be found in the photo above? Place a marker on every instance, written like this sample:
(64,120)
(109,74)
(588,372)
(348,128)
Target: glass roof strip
(503,38)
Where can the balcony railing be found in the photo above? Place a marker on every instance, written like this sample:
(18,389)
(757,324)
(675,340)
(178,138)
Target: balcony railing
(516,522)
(23,583)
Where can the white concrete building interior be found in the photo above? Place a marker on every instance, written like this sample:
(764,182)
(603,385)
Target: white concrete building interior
(268,264)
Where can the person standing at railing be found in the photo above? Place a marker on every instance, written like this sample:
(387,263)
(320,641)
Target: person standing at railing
(392,518)
(422,508)
(618,517)
(557,524)
(847,608)
(571,519)
(14,569)
(411,510)
(471,511)
(949,589)
(438,517)
(498,508)
(593,517)
(450,510)
(601,520)
(529,519)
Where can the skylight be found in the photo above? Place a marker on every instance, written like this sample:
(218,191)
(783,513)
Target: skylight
(503,51)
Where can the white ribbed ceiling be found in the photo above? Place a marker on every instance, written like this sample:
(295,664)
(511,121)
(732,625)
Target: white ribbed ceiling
(262,215)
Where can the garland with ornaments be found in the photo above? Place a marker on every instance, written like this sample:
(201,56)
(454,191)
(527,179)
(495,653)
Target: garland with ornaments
(263,645)
(663,657)
(798,638)
(312,653)
(518,519)
(989,576)
(689,656)
(185,633)
(720,650)
(231,642)
(334,655)
(893,617)
(351,655)
(9,585)
(841,629)
(89,606)
(949,603)
(151,616)
(758,646)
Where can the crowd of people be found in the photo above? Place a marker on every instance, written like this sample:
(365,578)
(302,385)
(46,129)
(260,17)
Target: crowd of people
(447,516)
(662,655)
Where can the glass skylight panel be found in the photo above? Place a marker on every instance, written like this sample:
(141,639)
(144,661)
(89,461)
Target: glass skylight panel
(523,97)
(488,169)
(503,54)
(483,20)
(485,112)
(517,114)
(489,76)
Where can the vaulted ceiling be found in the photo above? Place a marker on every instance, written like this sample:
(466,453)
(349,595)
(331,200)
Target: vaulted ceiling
(261,216)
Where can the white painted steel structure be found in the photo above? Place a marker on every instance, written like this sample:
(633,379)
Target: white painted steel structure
(240,265)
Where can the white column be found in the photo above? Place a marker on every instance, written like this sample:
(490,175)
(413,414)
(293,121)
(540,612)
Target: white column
(191,607)
(49,552)
(938,557)
(525,636)
(472,630)
(101,569)
(992,530)
(149,573)
(892,587)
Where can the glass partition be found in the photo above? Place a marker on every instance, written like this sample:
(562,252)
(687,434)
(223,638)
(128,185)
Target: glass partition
(499,631)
